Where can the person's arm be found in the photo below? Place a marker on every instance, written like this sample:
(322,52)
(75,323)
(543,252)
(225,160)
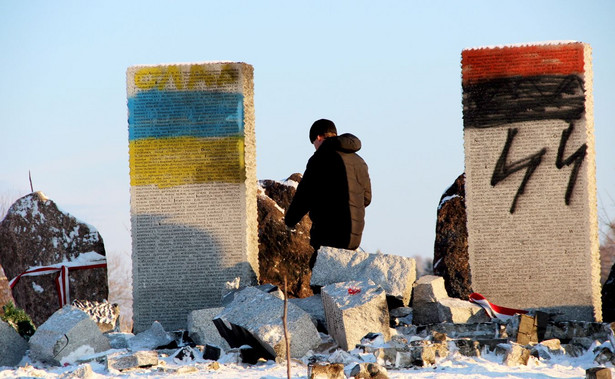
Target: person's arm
(367,188)
(301,203)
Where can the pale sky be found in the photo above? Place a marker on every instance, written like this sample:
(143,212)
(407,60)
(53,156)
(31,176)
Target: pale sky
(388,72)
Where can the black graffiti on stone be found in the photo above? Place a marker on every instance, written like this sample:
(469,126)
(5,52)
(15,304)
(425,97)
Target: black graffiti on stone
(502,169)
(576,158)
(516,99)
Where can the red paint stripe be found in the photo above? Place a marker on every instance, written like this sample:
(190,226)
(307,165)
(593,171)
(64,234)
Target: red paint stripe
(500,62)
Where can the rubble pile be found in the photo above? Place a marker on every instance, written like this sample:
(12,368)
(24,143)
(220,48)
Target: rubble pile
(349,330)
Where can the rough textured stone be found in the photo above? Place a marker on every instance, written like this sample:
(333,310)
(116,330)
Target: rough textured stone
(448,310)
(255,318)
(119,340)
(516,355)
(369,371)
(598,373)
(354,309)
(451,260)
(422,354)
(36,233)
(547,349)
(528,330)
(151,338)
(485,330)
(468,348)
(429,289)
(202,330)
(326,371)
(567,331)
(125,361)
(282,253)
(6,295)
(66,336)
(12,345)
(395,274)
(431,304)
(313,306)
(212,352)
(84,371)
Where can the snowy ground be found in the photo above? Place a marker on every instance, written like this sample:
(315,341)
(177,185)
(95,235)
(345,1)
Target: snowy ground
(454,366)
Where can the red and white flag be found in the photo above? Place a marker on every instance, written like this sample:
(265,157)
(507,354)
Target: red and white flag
(495,311)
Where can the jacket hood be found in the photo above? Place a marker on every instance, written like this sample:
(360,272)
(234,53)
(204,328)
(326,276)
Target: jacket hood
(347,143)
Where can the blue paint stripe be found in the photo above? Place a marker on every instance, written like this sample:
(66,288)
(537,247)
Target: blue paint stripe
(166,114)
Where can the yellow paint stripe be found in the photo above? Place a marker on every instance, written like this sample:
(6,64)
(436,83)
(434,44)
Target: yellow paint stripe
(169,162)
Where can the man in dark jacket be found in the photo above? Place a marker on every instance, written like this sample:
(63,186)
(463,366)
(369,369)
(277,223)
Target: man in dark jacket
(335,189)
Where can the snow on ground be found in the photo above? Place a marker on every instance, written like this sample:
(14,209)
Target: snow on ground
(454,366)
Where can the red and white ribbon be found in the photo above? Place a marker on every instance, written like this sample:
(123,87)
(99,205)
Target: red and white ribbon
(62,282)
(494,311)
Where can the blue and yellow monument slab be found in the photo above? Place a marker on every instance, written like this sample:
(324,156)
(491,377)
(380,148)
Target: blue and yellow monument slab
(193,186)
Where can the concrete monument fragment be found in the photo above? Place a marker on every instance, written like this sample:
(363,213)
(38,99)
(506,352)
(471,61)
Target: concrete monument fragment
(66,336)
(395,274)
(354,309)
(530,177)
(193,187)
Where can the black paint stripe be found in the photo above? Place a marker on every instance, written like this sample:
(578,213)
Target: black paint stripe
(516,99)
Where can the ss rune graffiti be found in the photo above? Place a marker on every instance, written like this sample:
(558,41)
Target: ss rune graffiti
(503,169)
(516,99)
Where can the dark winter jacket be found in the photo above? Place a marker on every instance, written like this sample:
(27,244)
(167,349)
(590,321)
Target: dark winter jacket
(335,189)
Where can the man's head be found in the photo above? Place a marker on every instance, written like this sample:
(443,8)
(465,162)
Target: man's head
(320,130)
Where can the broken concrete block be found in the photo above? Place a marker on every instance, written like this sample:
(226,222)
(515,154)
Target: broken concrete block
(528,330)
(484,330)
(125,361)
(395,274)
(313,306)
(84,371)
(429,289)
(255,318)
(468,347)
(598,373)
(354,309)
(516,355)
(12,345)
(575,350)
(185,355)
(119,340)
(603,355)
(420,355)
(67,335)
(460,311)
(202,330)
(546,349)
(368,371)
(150,339)
(229,296)
(567,330)
(212,352)
(448,309)
(326,371)
(494,344)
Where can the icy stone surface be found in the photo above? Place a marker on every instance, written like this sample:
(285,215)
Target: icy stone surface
(150,339)
(255,318)
(66,335)
(202,330)
(395,274)
(12,345)
(354,309)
